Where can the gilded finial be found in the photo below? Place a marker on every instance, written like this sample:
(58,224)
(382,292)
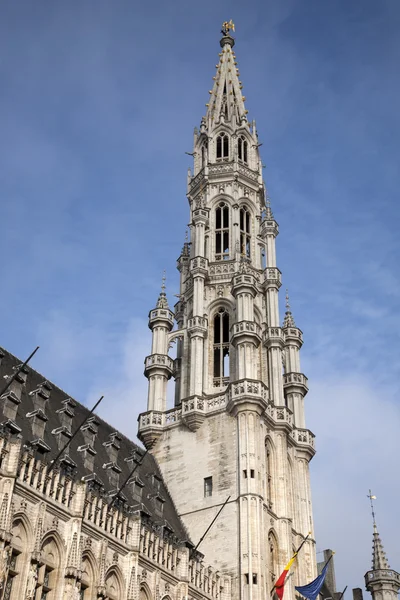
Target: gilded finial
(227,26)
(163,287)
(287,305)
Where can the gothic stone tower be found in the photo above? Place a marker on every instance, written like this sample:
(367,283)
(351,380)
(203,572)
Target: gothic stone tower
(237,428)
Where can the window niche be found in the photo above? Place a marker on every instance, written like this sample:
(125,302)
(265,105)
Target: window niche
(245,232)
(243,149)
(208,487)
(221,348)
(222,146)
(222,232)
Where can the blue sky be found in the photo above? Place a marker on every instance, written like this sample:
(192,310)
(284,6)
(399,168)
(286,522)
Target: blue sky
(98,102)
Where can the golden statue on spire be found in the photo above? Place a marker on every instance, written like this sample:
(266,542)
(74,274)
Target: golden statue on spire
(227,26)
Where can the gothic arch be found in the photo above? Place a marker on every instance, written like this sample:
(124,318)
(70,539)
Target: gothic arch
(218,303)
(270,471)
(144,592)
(49,575)
(90,575)
(21,542)
(273,554)
(114,583)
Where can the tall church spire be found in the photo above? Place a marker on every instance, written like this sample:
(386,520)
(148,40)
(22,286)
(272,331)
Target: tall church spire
(382,581)
(237,426)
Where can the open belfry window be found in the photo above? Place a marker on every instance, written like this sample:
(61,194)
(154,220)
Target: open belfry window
(242,149)
(222,146)
(221,348)
(222,232)
(245,232)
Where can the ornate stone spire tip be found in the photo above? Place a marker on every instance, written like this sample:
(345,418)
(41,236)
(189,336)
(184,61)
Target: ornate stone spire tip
(162,301)
(288,320)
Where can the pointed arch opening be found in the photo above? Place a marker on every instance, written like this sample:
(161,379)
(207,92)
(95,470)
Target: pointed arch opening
(144,592)
(245,231)
(88,580)
(222,232)
(243,149)
(222,146)
(14,560)
(221,348)
(272,554)
(48,574)
(114,585)
(269,473)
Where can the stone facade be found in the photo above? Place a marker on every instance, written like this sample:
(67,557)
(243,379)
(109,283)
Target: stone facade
(65,531)
(237,429)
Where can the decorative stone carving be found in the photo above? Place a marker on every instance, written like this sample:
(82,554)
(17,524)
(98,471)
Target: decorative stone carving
(31,583)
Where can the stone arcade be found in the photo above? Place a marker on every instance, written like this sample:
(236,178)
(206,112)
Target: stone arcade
(237,429)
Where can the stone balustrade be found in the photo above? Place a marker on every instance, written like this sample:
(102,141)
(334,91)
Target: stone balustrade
(159,360)
(304,437)
(204,578)
(272,277)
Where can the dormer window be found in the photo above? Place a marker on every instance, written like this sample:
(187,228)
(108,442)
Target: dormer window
(242,149)
(222,146)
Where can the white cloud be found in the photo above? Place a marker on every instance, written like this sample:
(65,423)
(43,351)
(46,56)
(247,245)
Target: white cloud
(358,446)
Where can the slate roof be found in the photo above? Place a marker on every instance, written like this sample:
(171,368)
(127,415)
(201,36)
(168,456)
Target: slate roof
(154,491)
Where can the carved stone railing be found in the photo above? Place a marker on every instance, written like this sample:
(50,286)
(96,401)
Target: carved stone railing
(159,360)
(198,262)
(246,326)
(280,414)
(204,578)
(293,332)
(222,270)
(197,180)
(272,277)
(99,511)
(173,416)
(382,574)
(249,173)
(151,418)
(295,379)
(53,484)
(220,169)
(158,548)
(304,437)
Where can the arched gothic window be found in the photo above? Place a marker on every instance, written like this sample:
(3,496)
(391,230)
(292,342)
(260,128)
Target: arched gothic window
(87,580)
(113,586)
(242,149)
(245,229)
(13,561)
(222,232)
(221,348)
(269,473)
(273,557)
(222,146)
(48,572)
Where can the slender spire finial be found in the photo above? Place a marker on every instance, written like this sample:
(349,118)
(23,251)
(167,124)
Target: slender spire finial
(268,211)
(162,301)
(288,320)
(287,300)
(379,560)
(371,499)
